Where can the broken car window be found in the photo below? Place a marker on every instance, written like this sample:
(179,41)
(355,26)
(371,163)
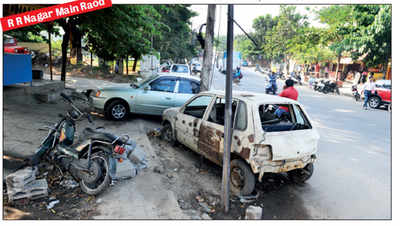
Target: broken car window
(241,119)
(301,120)
(217,113)
(271,121)
(198,106)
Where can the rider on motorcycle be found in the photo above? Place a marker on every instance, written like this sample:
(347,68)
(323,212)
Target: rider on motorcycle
(272,83)
(237,74)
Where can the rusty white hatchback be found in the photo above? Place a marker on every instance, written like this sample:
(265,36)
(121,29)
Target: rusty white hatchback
(261,141)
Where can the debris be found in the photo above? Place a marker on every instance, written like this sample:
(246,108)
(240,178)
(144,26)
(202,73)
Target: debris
(138,157)
(170,176)
(253,213)
(159,169)
(205,207)
(199,198)
(154,133)
(176,170)
(53,211)
(99,201)
(52,204)
(205,216)
(70,184)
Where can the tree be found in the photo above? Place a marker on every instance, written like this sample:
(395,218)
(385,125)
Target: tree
(288,23)
(371,37)
(176,41)
(339,20)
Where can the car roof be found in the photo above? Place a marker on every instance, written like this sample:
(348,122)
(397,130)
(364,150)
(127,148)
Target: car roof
(179,64)
(179,75)
(256,98)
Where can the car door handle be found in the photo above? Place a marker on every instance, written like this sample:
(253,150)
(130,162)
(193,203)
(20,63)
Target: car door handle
(168,98)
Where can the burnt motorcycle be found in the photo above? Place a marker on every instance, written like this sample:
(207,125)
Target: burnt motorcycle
(87,160)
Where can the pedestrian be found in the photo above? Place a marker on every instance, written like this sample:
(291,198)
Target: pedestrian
(368,88)
(288,92)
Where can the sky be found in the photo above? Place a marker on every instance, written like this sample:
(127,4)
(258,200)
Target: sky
(244,15)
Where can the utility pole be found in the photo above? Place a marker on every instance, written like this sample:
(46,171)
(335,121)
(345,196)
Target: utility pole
(226,168)
(208,49)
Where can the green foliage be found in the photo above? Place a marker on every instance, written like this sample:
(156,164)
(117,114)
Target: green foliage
(32,33)
(121,30)
(372,34)
(176,41)
(277,39)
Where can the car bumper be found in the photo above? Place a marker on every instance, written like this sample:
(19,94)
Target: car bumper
(98,104)
(284,165)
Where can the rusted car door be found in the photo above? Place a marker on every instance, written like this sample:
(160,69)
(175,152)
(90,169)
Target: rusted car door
(211,140)
(189,119)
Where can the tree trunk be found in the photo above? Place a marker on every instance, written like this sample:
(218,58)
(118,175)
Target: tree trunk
(208,50)
(121,66)
(91,59)
(127,65)
(134,64)
(64,49)
(50,61)
(337,68)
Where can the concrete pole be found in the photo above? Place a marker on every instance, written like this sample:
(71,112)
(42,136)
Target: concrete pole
(208,49)
(228,113)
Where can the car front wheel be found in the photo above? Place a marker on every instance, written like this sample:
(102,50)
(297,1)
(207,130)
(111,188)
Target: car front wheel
(117,110)
(374,102)
(242,180)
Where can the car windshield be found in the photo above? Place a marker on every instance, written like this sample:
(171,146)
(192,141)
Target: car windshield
(143,82)
(180,68)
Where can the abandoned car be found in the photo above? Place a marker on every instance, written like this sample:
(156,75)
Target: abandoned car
(261,141)
(151,96)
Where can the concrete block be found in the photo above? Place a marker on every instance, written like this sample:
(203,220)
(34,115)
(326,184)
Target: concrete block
(253,213)
(34,190)
(19,179)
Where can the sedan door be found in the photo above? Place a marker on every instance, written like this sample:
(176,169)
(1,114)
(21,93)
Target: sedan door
(158,96)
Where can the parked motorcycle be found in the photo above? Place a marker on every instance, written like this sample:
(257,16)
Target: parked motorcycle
(86,160)
(355,92)
(330,87)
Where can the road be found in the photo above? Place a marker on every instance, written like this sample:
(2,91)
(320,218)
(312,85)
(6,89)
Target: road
(352,175)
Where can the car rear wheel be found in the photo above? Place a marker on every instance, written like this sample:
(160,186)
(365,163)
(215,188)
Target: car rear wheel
(167,133)
(374,102)
(117,110)
(242,180)
(300,176)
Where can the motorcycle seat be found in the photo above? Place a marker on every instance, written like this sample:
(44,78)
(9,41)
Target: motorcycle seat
(98,135)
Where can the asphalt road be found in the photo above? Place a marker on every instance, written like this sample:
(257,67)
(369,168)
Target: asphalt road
(352,175)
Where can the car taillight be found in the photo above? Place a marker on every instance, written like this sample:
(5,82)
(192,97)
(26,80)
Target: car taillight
(119,149)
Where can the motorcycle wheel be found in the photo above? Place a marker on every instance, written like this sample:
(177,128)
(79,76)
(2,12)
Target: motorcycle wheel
(102,180)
